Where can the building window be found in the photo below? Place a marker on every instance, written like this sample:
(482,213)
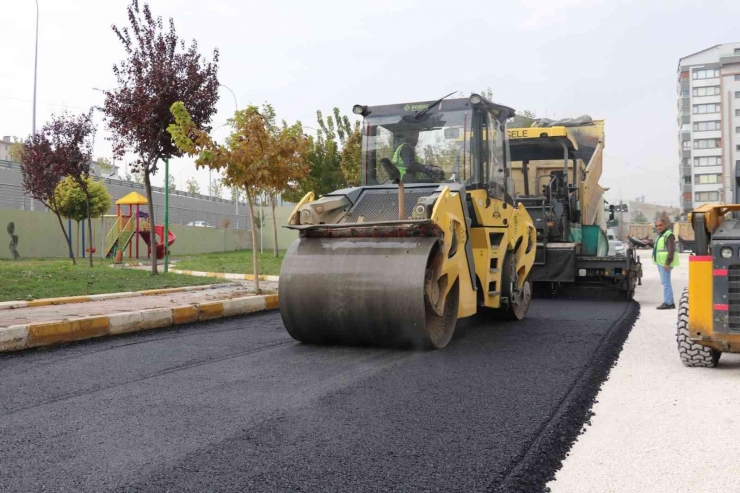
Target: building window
(737,51)
(708,161)
(687,180)
(705,91)
(707,143)
(737,77)
(706,126)
(737,94)
(706,74)
(684,93)
(737,148)
(737,112)
(686,145)
(700,109)
(737,130)
(706,196)
(707,179)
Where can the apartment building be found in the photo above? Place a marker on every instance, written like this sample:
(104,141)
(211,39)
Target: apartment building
(708,124)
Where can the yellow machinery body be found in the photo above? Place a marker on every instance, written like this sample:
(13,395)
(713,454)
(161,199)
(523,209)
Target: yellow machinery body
(709,311)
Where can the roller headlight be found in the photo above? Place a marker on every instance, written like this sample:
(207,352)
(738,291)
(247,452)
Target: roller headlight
(475,99)
(306,217)
(726,252)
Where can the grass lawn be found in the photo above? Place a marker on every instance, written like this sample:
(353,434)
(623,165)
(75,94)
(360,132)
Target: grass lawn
(51,278)
(239,262)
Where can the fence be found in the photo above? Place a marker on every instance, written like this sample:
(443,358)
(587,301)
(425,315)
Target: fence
(13,197)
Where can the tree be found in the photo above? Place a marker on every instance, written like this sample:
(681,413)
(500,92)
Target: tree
(249,157)
(40,178)
(352,158)
(216,188)
(192,186)
(284,169)
(525,119)
(158,71)
(16,150)
(105,166)
(72,201)
(325,158)
(172,183)
(487,93)
(73,138)
(638,217)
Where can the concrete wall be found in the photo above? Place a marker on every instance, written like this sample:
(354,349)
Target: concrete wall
(39,235)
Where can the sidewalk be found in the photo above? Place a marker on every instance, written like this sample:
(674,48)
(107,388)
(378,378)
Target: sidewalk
(659,426)
(22,316)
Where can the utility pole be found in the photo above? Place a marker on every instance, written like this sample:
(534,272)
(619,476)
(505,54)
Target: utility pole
(35,66)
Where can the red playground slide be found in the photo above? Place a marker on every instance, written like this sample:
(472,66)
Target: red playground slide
(159,233)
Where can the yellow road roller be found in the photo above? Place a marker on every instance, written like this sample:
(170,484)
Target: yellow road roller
(431,235)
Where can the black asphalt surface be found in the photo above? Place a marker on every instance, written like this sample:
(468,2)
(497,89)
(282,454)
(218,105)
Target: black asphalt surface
(236,405)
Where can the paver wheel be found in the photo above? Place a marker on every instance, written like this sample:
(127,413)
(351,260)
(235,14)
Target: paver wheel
(691,353)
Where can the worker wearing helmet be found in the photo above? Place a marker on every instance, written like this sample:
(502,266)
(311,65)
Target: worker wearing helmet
(404,158)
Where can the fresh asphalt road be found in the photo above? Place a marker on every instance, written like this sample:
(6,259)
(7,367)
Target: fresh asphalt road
(236,405)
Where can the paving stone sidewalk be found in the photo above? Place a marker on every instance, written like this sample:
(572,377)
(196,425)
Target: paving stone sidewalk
(21,316)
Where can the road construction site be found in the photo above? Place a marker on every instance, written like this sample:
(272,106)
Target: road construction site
(236,404)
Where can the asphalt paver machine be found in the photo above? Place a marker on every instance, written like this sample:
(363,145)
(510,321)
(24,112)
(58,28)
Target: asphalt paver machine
(556,171)
(431,235)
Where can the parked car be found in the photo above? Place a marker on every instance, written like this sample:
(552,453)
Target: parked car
(200,224)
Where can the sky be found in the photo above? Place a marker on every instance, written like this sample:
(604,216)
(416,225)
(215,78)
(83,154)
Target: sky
(612,60)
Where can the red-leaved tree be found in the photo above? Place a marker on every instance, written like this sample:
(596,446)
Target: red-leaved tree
(159,69)
(72,139)
(40,179)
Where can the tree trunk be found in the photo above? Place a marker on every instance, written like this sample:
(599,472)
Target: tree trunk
(68,239)
(152,236)
(254,242)
(274,225)
(90,242)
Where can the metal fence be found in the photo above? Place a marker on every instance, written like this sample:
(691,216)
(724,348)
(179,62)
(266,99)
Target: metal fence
(13,197)
(185,208)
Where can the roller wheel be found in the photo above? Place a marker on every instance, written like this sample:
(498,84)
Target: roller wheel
(517,309)
(691,353)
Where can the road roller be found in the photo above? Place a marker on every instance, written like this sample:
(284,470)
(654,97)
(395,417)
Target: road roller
(431,235)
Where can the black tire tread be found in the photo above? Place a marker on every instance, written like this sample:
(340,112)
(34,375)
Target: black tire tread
(692,354)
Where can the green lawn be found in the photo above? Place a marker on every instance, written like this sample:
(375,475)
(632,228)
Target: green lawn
(51,278)
(239,262)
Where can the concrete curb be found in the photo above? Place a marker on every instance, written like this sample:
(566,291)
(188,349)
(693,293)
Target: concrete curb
(19,337)
(224,275)
(7,305)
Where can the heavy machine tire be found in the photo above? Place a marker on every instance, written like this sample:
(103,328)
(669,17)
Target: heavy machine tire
(518,310)
(691,353)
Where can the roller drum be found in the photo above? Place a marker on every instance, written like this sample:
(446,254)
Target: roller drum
(360,291)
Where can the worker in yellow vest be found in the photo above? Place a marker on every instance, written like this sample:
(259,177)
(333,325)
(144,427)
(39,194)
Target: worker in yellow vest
(665,257)
(404,158)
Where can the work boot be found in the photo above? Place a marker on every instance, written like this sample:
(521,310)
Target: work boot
(664,306)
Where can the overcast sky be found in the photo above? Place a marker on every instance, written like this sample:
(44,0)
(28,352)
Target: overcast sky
(610,59)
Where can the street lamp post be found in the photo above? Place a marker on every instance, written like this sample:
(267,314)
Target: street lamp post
(35,66)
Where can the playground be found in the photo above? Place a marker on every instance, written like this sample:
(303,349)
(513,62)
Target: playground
(129,228)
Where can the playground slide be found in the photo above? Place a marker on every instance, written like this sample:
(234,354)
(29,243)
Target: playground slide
(158,232)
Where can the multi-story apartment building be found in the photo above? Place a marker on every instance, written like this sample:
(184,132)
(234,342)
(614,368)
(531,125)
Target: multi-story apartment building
(709,124)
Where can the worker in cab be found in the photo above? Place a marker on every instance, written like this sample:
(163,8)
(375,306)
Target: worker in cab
(404,158)
(665,257)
